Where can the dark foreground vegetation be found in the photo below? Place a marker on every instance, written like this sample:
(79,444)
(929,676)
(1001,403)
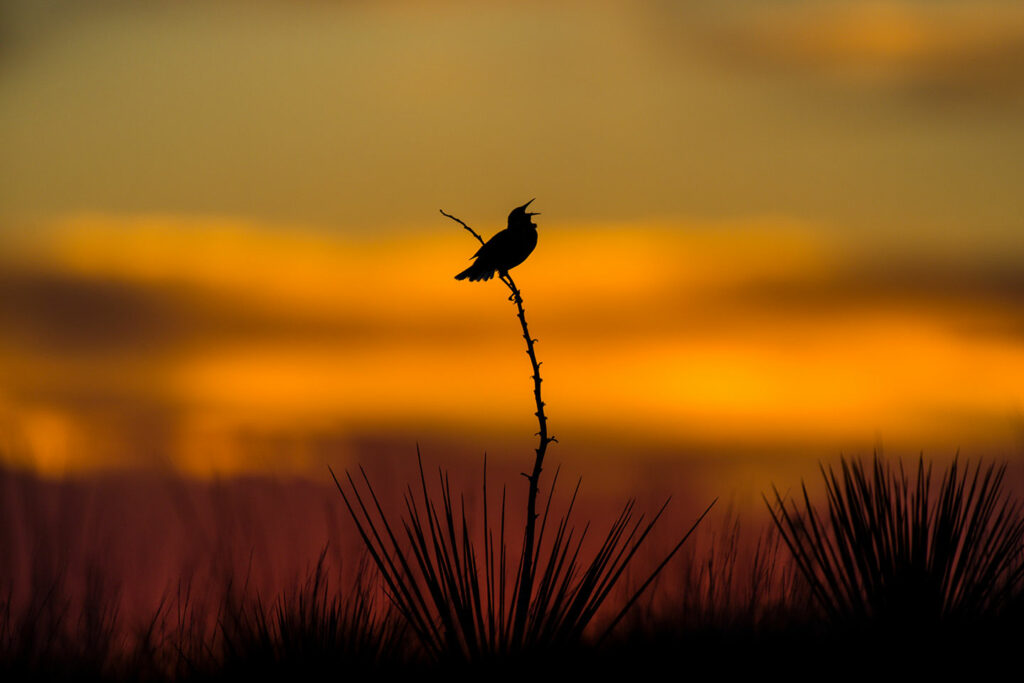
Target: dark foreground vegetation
(892,569)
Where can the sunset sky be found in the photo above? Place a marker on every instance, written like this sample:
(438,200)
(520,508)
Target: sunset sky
(768,230)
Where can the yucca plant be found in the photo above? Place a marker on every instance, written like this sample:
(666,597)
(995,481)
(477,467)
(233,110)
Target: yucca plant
(478,599)
(892,548)
(460,593)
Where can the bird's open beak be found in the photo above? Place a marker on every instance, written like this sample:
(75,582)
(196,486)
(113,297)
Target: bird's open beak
(523,208)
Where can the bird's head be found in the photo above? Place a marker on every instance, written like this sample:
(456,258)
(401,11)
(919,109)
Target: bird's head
(521,218)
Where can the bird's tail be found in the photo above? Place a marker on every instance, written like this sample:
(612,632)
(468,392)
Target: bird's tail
(476,272)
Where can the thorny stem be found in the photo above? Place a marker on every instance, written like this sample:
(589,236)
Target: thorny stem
(525,588)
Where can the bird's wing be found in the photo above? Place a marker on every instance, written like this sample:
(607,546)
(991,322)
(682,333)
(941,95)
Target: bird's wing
(490,247)
(498,244)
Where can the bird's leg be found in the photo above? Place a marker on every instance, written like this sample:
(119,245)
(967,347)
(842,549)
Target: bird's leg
(503,276)
(514,296)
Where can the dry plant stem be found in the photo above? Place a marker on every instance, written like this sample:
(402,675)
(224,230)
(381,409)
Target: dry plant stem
(528,559)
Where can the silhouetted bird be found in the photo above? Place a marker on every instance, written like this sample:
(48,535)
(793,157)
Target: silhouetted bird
(505,250)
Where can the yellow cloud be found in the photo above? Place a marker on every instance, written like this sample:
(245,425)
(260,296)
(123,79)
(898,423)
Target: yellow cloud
(964,45)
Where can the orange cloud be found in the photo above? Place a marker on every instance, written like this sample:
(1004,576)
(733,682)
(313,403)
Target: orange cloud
(215,346)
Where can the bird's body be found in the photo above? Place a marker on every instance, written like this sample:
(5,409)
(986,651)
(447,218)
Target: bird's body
(507,249)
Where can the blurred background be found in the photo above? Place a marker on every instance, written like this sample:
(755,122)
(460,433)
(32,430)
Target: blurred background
(772,232)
